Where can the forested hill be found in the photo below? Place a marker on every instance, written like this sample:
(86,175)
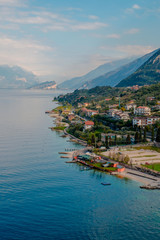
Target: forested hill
(148,73)
(98,94)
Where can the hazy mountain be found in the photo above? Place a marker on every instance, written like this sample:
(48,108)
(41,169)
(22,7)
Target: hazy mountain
(78,82)
(114,77)
(45,85)
(148,73)
(16,77)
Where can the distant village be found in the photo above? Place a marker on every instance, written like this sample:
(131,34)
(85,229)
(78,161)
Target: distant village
(110,122)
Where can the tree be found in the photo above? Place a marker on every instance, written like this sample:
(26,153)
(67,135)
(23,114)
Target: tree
(93,138)
(99,137)
(128,139)
(115,140)
(140,135)
(136,137)
(110,141)
(126,159)
(106,142)
(152,134)
(158,135)
(145,135)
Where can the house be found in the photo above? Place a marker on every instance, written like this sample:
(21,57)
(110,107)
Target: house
(118,114)
(144,121)
(88,125)
(122,116)
(86,104)
(108,99)
(80,105)
(89,112)
(71,117)
(151,98)
(142,110)
(135,87)
(113,106)
(98,106)
(113,112)
(155,108)
(130,106)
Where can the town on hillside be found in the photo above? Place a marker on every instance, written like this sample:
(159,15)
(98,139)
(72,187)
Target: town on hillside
(118,122)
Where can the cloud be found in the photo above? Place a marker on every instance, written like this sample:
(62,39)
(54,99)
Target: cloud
(133,31)
(12,3)
(88,26)
(93,17)
(114,36)
(74,9)
(129,50)
(28,54)
(46,20)
(134,8)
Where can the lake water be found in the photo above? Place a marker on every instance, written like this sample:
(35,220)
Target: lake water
(42,197)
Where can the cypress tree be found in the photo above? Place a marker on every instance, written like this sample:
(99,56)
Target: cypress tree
(115,140)
(152,136)
(140,135)
(136,137)
(106,142)
(145,135)
(128,139)
(158,135)
(93,138)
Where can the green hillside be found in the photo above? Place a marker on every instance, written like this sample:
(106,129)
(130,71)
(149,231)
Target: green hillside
(98,94)
(148,73)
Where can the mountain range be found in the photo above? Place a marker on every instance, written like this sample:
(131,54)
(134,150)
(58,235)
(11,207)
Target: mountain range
(16,77)
(45,85)
(79,82)
(148,73)
(109,74)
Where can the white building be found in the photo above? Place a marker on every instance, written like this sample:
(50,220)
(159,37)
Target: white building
(142,110)
(88,125)
(144,121)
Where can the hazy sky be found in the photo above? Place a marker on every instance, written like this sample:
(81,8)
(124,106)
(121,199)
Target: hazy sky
(68,38)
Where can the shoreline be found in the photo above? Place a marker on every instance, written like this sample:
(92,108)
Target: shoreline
(135,175)
(129,173)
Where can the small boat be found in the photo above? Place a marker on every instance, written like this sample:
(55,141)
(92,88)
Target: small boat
(106,184)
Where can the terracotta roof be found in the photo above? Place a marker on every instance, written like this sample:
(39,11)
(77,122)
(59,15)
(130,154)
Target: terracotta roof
(142,107)
(89,123)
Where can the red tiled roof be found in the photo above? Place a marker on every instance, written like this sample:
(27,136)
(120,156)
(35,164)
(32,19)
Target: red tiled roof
(89,123)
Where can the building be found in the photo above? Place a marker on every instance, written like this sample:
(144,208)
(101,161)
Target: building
(130,106)
(88,125)
(113,106)
(113,112)
(71,117)
(144,121)
(155,108)
(142,110)
(118,114)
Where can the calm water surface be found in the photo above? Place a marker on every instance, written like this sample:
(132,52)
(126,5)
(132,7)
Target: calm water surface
(42,197)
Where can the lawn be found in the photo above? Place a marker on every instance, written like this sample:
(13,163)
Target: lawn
(99,165)
(155,166)
(144,156)
(148,148)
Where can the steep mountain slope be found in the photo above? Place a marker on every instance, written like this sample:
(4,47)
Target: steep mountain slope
(109,74)
(45,85)
(148,73)
(16,77)
(77,82)
(114,77)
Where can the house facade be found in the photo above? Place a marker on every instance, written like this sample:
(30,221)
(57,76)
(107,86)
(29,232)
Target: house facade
(142,110)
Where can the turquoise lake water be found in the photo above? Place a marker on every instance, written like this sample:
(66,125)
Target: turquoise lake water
(42,197)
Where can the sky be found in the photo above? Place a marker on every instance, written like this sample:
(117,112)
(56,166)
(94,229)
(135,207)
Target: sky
(68,38)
